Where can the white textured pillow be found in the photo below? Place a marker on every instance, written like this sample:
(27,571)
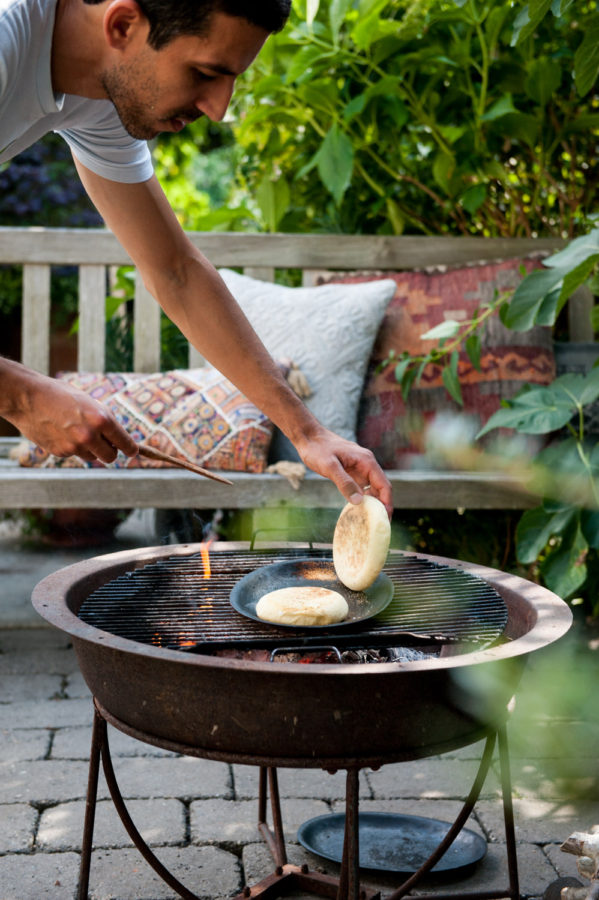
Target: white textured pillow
(328,331)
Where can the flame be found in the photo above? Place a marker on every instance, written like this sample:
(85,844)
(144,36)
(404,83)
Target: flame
(205,554)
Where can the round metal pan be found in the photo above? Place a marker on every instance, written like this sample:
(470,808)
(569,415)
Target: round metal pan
(392,843)
(301,573)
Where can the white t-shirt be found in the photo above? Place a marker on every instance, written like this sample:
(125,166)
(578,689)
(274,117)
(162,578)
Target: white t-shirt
(30,109)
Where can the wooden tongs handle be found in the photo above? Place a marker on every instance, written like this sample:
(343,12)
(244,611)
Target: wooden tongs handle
(152,453)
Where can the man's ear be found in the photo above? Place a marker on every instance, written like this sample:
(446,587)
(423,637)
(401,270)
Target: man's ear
(123,20)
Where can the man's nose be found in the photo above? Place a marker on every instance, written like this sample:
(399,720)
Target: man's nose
(216,97)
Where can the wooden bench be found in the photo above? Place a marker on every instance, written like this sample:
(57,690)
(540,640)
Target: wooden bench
(92,251)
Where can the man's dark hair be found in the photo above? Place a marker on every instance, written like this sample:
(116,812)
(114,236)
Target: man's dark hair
(172,18)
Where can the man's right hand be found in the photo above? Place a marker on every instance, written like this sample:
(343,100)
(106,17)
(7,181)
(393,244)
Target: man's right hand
(60,419)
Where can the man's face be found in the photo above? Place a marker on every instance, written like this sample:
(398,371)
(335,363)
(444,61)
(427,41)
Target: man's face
(164,90)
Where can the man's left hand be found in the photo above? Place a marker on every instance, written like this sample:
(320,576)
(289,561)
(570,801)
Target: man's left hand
(350,467)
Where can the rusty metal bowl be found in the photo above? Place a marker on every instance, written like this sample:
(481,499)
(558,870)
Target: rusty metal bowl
(294,714)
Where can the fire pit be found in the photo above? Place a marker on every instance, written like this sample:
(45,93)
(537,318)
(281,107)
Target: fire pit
(160,622)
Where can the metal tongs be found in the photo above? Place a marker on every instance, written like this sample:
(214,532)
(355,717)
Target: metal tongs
(181,462)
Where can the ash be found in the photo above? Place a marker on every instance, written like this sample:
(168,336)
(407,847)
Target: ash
(389,654)
(329,655)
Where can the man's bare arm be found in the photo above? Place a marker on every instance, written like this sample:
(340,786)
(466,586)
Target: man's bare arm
(196,299)
(59,418)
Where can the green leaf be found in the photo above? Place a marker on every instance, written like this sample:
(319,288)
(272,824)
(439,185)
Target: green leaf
(370,27)
(473,349)
(521,22)
(535,528)
(564,570)
(335,161)
(500,108)
(273,199)
(407,382)
(589,523)
(355,107)
(452,133)
(538,8)
(520,127)
(401,369)
(520,314)
(387,86)
(578,276)
(583,123)
(473,198)
(495,22)
(303,63)
(447,329)
(590,388)
(537,411)
(549,308)
(576,252)
(451,379)
(443,169)
(337,12)
(395,215)
(544,79)
(586,58)
(528,20)
(311,10)
(112,305)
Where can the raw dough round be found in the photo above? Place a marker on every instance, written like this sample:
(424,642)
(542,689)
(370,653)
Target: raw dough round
(307,605)
(361,543)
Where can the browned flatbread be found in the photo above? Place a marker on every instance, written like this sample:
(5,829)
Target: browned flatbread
(361,543)
(303,605)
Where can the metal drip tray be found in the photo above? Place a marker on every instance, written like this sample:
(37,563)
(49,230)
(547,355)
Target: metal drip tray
(392,843)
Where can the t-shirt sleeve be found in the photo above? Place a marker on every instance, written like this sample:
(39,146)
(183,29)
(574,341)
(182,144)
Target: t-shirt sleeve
(106,149)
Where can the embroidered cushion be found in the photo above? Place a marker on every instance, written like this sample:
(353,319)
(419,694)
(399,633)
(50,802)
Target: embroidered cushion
(393,428)
(196,413)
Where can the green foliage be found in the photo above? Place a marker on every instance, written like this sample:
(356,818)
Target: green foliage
(174,349)
(421,115)
(559,539)
(196,170)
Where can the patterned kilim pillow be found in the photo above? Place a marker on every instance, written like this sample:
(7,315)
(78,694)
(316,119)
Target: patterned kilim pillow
(393,428)
(196,413)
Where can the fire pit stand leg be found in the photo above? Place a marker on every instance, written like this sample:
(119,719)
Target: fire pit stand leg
(508,812)
(287,877)
(274,838)
(100,747)
(349,884)
(513,891)
(98,738)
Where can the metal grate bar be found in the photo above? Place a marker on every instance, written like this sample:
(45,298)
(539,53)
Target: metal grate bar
(172,603)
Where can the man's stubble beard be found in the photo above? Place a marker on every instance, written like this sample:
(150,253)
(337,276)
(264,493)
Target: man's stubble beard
(132,113)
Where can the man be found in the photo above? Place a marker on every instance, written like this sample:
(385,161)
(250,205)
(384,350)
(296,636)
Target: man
(109,76)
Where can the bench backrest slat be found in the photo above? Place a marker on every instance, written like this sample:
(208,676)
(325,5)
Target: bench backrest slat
(146,330)
(91,343)
(96,251)
(35,327)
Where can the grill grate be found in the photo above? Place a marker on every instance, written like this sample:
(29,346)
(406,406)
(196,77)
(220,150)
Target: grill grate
(171,603)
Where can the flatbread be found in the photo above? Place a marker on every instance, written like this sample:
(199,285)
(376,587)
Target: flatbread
(304,605)
(361,543)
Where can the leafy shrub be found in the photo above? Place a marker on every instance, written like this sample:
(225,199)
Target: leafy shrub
(423,116)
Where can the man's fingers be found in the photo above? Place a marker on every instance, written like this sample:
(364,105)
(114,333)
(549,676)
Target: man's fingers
(352,492)
(380,487)
(117,438)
